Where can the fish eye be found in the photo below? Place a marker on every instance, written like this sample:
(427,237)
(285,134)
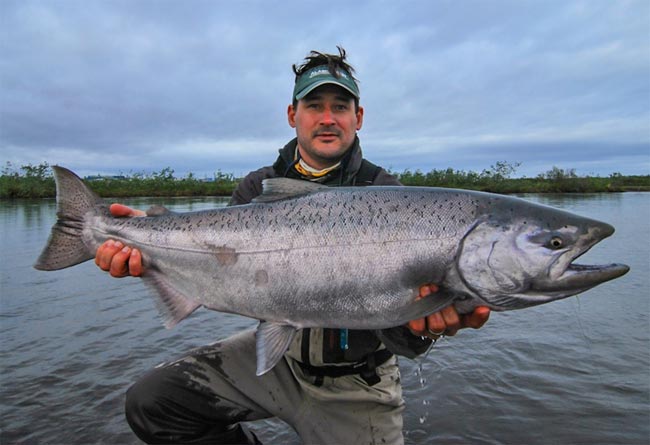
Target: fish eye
(555,243)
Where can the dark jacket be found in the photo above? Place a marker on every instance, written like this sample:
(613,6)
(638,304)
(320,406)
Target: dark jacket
(354,171)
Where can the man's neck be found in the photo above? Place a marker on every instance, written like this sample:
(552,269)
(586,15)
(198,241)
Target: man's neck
(313,165)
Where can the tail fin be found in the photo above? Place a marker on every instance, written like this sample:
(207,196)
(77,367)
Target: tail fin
(74,200)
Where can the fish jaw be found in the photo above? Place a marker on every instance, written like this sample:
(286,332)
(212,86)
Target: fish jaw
(581,277)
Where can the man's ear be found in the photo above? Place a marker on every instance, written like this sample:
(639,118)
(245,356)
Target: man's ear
(291,115)
(359,118)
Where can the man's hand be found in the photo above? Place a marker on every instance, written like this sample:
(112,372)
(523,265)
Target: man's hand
(116,258)
(446,321)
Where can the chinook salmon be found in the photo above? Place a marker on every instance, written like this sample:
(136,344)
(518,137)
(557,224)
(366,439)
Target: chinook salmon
(306,255)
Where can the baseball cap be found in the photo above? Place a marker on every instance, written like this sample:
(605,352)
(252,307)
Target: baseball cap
(320,75)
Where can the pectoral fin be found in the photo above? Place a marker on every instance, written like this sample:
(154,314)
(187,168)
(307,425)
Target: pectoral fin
(272,340)
(424,306)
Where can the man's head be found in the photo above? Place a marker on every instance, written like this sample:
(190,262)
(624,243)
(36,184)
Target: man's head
(325,110)
(318,69)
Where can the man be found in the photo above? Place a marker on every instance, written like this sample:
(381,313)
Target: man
(333,386)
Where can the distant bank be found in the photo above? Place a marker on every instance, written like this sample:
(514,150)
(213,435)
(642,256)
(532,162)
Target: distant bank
(36,181)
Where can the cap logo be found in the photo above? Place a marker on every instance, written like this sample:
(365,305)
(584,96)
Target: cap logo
(325,72)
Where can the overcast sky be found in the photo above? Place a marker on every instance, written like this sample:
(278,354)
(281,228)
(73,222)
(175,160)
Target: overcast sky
(131,86)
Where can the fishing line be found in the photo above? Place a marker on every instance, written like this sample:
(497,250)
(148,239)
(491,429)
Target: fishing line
(577,308)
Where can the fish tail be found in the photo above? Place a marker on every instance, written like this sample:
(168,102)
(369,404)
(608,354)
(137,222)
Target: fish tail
(74,201)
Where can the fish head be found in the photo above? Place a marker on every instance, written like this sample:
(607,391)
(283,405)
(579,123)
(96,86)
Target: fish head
(524,254)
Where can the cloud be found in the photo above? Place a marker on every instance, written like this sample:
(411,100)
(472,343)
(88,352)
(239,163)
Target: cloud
(201,86)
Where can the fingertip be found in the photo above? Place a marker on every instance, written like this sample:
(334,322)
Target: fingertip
(424,291)
(135,263)
(417,326)
(477,318)
(427,290)
(483,311)
(116,209)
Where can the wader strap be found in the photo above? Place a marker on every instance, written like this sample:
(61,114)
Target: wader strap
(367,369)
(365,176)
(304,346)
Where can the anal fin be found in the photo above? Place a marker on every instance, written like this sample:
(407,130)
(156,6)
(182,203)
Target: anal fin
(172,304)
(272,341)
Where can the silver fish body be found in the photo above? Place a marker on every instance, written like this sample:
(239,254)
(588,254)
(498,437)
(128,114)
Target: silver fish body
(305,255)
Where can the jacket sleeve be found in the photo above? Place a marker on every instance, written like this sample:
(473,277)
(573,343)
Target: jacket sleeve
(385,178)
(399,340)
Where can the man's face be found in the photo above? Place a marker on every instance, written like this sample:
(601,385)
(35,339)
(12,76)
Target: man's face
(326,123)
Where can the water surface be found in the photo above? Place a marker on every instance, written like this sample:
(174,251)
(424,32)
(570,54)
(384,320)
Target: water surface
(573,371)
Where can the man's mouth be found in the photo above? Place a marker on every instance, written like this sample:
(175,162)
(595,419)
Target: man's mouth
(327,135)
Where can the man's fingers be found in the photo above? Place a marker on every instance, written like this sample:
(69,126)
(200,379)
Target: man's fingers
(452,320)
(116,258)
(135,263)
(444,321)
(418,327)
(447,321)
(119,264)
(427,290)
(105,253)
(477,318)
(119,260)
(120,210)
(436,323)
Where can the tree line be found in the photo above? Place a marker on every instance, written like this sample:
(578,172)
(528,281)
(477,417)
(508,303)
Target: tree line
(36,181)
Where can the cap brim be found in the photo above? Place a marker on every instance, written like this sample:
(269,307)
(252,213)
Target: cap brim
(312,87)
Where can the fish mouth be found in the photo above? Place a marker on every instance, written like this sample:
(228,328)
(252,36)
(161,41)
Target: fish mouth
(580,277)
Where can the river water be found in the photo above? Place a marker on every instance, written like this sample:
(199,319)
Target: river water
(576,371)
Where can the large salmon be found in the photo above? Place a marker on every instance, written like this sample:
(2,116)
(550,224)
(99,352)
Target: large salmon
(305,255)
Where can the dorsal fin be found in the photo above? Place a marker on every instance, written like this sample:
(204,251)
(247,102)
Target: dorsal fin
(276,189)
(158,210)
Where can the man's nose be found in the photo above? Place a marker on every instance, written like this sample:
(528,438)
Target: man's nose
(327,117)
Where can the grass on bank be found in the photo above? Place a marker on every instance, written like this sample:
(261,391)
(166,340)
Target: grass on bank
(36,181)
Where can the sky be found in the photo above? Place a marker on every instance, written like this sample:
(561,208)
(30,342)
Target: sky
(110,87)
